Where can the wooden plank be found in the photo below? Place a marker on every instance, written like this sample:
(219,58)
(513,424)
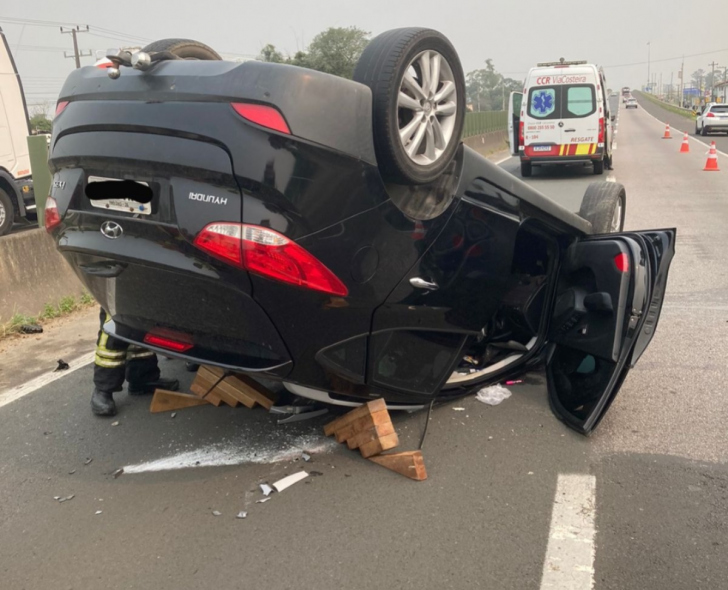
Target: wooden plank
(209,376)
(362,424)
(227,389)
(376,405)
(370,434)
(377,446)
(262,395)
(200,387)
(410,464)
(166,401)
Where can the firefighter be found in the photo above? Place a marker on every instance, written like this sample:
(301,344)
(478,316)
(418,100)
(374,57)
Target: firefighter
(117,361)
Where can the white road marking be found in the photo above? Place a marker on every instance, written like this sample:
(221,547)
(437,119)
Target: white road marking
(614,146)
(569,563)
(271,451)
(611,178)
(10,395)
(499,162)
(707,145)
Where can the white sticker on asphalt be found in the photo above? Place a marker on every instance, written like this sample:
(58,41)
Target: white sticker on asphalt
(10,395)
(569,563)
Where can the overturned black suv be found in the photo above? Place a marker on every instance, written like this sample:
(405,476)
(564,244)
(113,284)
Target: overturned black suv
(336,235)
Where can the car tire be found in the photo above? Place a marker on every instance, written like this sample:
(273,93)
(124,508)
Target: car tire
(598,166)
(526,169)
(184,49)
(704,131)
(396,66)
(604,205)
(7,213)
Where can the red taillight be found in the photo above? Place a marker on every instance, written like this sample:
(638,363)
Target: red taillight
(622,262)
(710,115)
(520,134)
(267,253)
(601,130)
(169,340)
(61,106)
(52,217)
(262,115)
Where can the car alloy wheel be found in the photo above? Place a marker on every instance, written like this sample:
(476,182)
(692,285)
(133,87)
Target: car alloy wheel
(3,214)
(616,224)
(427,106)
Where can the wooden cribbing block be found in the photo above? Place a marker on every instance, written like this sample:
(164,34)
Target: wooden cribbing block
(410,464)
(362,424)
(204,381)
(167,401)
(245,390)
(370,434)
(378,445)
(262,395)
(376,405)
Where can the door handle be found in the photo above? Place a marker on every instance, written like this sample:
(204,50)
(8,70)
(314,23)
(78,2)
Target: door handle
(419,283)
(569,130)
(104,270)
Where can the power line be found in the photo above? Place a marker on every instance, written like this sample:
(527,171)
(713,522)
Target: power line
(74,32)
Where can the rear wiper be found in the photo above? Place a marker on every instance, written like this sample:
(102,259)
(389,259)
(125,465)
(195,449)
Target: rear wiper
(139,60)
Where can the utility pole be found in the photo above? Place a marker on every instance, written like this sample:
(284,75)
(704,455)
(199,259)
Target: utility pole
(73,31)
(669,92)
(648,66)
(712,81)
(682,82)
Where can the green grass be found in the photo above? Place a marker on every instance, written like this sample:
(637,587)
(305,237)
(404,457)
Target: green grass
(67,305)
(668,107)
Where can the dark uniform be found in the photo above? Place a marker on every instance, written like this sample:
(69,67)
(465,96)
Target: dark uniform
(118,361)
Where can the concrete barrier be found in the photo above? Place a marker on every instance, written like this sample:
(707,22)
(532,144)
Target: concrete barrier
(487,143)
(32,273)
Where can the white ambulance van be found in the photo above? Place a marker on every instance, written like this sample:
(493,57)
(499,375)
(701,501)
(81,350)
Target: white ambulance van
(562,117)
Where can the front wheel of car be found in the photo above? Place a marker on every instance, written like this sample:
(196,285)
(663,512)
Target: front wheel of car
(604,205)
(704,131)
(418,102)
(598,166)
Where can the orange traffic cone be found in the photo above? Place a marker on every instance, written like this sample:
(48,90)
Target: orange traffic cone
(685,146)
(712,164)
(667,132)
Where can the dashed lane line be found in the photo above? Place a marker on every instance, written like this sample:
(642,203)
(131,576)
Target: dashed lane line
(569,563)
(10,395)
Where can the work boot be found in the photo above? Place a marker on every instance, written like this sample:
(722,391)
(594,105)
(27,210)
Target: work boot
(102,403)
(149,387)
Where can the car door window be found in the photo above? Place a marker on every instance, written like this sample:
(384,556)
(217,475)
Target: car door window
(580,101)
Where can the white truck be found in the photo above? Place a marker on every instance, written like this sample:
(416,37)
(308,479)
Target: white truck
(562,117)
(17,199)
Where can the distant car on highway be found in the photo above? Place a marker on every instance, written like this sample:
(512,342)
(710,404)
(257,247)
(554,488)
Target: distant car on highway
(713,117)
(631,103)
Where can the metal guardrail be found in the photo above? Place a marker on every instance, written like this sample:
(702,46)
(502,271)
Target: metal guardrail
(484,122)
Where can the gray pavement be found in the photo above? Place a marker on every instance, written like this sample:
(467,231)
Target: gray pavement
(483,517)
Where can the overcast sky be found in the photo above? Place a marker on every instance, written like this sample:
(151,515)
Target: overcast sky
(515,34)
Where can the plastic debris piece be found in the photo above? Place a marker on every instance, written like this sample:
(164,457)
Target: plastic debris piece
(62,366)
(174,415)
(493,395)
(516,382)
(118,472)
(88,461)
(66,499)
(459,409)
(98,512)
(530,473)
(216,513)
(242,514)
(306,457)
(56,498)
(266,489)
(115,423)
(31,329)
(72,472)
(262,500)
(287,482)
(317,473)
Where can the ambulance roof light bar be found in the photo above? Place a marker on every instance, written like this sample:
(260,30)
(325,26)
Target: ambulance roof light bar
(561,62)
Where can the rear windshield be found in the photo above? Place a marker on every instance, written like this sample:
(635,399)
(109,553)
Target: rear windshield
(568,101)
(719,108)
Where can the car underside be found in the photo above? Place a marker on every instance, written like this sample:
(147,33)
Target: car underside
(260,217)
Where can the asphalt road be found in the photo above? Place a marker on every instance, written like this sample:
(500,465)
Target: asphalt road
(506,487)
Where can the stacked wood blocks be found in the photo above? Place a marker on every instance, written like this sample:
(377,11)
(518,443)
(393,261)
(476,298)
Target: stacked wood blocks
(209,387)
(369,428)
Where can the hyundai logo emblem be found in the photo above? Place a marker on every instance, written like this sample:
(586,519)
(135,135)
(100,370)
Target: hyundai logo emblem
(111,230)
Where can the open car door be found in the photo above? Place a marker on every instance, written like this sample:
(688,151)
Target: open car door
(514,119)
(607,305)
